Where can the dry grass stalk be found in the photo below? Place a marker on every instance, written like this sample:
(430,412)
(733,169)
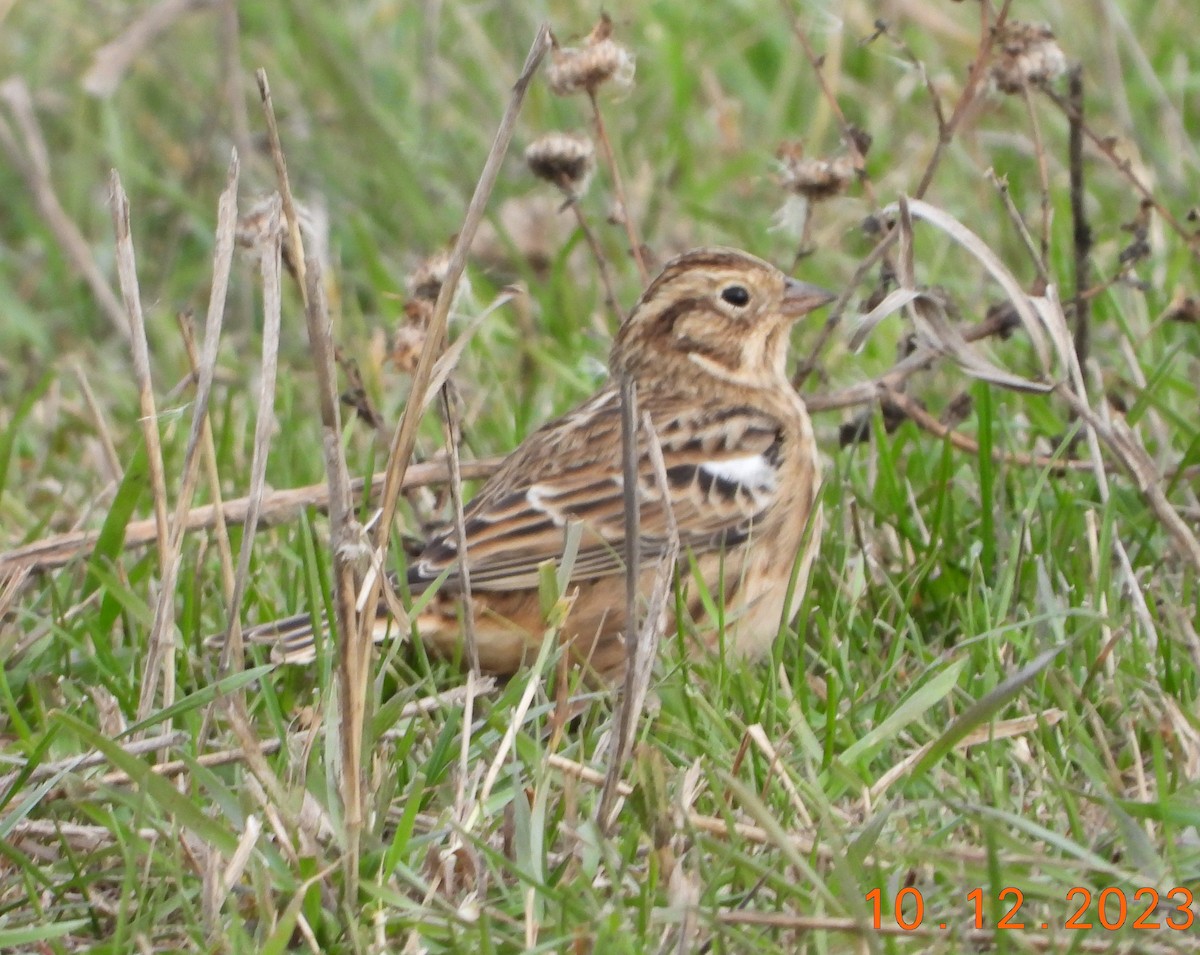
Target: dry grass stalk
(618,183)
(112,61)
(586,69)
(350,549)
(160,647)
(74,764)
(1036,255)
(760,739)
(1082,230)
(1107,146)
(927,422)
(347,539)
(988,733)
(276,507)
(630,488)
(534,680)
(453,434)
(184,523)
(1039,315)
(103,431)
(642,650)
(295,241)
(200,435)
(404,437)
(32,160)
(270,270)
(851,136)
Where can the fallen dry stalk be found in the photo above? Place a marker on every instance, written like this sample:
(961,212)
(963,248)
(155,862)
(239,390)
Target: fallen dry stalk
(278,507)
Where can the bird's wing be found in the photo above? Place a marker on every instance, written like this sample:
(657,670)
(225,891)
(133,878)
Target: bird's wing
(721,470)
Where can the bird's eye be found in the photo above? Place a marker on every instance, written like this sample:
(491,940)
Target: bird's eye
(735,295)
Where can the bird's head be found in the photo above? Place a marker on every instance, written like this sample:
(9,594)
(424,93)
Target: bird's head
(715,311)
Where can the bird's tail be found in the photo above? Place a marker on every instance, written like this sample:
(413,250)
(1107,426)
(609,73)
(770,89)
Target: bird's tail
(293,640)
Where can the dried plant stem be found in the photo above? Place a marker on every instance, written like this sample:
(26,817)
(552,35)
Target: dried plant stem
(1081,230)
(349,544)
(1035,254)
(1107,146)
(291,217)
(160,657)
(404,438)
(270,265)
(838,308)
(112,61)
(631,491)
(978,72)
(220,526)
(276,507)
(635,244)
(453,437)
(200,436)
(111,458)
(847,130)
(946,132)
(32,160)
(919,360)
(347,538)
(642,653)
(74,764)
(610,294)
(1137,464)
(1039,151)
(231,68)
(927,422)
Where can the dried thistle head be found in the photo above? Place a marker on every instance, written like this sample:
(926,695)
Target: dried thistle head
(425,281)
(814,179)
(532,226)
(1028,55)
(263,222)
(407,343)
(564,159)
(424,284)
(600,60)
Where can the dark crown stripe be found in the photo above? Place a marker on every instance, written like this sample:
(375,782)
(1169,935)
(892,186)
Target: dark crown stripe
(699,259)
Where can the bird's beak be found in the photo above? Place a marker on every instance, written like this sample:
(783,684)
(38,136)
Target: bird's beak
(800,298)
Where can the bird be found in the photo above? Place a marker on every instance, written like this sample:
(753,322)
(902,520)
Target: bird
(734,495)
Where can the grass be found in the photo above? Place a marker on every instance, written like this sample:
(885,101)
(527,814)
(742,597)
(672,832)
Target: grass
(992,684)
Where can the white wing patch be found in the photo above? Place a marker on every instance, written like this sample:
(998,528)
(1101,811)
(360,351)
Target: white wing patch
(754,471)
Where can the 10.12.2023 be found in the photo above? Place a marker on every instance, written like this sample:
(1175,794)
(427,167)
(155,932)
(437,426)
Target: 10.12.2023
(1147,907)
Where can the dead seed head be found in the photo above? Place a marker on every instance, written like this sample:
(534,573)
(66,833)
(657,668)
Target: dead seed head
(407,344)
(1028,55)
(814,179)
(564,159)
(425,281)
(600,60)
(262,223)
(424,284)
